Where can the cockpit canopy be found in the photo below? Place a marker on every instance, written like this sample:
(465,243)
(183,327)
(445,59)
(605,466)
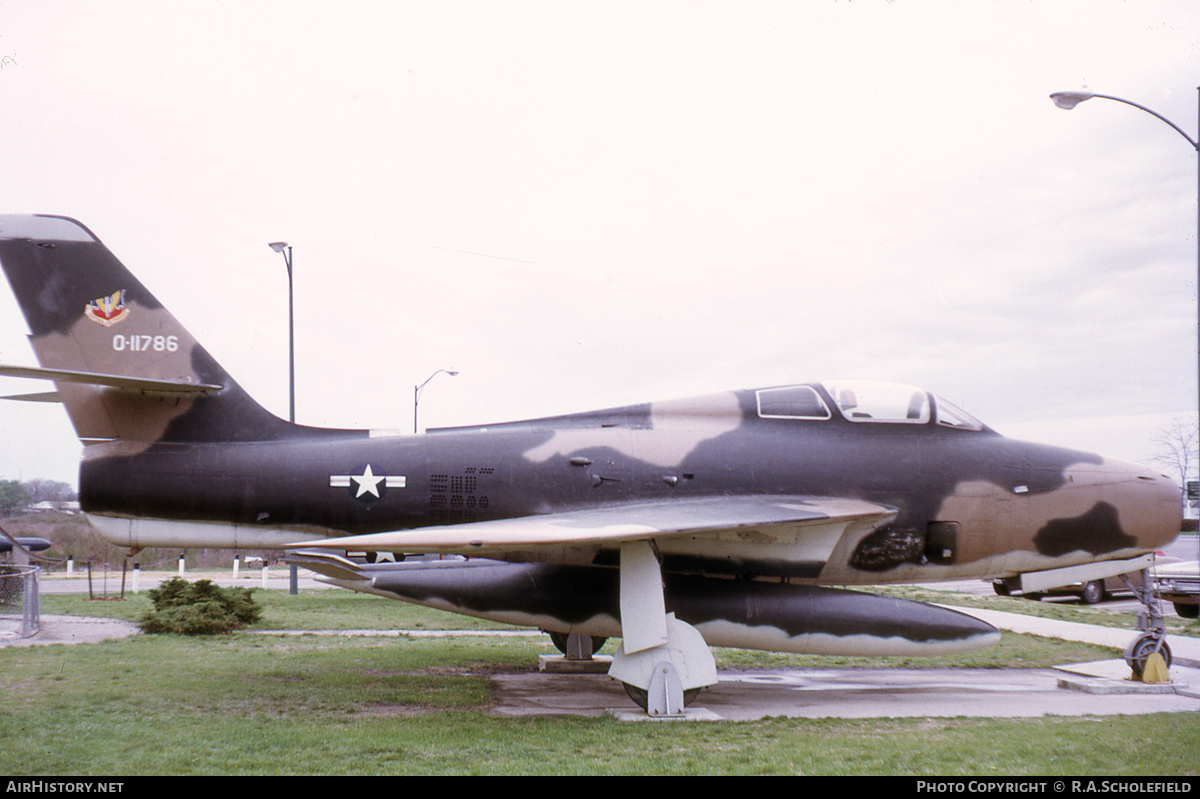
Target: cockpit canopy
(863,401)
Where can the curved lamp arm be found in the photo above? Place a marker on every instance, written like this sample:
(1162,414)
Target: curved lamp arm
(417,391)
(1068,100)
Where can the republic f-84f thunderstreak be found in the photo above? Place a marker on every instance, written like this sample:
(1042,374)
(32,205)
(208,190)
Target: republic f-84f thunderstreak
(723,520)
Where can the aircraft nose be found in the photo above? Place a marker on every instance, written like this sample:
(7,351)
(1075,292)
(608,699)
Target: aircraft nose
(1121,507)
(1164,514)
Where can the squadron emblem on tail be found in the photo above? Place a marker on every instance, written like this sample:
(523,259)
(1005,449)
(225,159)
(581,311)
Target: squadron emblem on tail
(108,310)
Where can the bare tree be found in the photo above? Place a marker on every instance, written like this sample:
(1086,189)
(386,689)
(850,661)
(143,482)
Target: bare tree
(48,491)
(1176,449)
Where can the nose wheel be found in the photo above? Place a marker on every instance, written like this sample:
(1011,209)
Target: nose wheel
(1141,648)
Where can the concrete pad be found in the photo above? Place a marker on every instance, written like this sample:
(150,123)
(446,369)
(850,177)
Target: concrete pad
(844,693)
(1115,669)
(1115,677)
(637,714)
(560,664)
(74,630)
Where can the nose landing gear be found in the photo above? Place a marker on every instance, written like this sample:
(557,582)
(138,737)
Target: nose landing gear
(1153,639)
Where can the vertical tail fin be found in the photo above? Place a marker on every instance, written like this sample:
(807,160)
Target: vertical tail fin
(89,315)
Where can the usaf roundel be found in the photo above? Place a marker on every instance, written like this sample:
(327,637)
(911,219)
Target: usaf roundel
(367,483)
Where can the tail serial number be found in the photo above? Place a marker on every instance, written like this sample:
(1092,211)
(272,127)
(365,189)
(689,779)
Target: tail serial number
(143,343)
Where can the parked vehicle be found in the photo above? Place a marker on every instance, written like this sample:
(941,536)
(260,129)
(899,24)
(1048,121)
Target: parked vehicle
(1179,584)
(1090,592)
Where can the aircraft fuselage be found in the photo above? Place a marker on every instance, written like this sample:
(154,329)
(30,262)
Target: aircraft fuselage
(968,501)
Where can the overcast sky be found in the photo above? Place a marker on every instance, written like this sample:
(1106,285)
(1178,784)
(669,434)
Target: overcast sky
(582,205)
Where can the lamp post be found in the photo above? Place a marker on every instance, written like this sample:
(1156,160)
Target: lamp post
(1068,100)
(417,392)
(286,249)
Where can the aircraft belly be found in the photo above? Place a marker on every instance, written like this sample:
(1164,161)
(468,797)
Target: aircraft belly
(142,533)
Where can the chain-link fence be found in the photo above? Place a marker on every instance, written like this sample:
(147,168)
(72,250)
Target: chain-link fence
(20,604)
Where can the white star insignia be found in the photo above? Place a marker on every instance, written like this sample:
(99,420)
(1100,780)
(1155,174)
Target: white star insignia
(368,483)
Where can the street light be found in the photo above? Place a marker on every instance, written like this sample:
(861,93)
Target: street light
(417,391)
(1067,101)
(280,247)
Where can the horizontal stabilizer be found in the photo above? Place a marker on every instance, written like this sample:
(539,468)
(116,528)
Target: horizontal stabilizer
(329,565)
(123,382)
(44,396)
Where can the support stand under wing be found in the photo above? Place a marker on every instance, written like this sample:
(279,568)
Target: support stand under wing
(661,660)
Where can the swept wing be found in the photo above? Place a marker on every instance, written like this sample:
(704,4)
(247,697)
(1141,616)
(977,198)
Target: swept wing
(785,520)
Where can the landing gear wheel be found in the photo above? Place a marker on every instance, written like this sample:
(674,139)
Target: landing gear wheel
(560,642)
(1092,592)
(1141,649)
(642,699)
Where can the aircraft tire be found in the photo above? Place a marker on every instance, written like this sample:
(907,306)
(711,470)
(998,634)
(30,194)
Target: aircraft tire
(642,699)
(560,642)
(1187,611)
(1140,650)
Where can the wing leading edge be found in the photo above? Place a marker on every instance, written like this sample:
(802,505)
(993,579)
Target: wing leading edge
(768,520)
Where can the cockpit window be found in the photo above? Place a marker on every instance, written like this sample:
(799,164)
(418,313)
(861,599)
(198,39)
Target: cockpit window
(950,415)
(863,401)
(792,402)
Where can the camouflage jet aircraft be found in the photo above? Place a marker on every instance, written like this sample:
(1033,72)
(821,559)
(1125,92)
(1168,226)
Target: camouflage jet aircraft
(715,521)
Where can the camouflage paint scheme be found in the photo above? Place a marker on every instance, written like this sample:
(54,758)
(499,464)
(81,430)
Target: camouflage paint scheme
(754,497)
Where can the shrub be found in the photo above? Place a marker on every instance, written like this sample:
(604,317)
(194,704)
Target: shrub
(199,608)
